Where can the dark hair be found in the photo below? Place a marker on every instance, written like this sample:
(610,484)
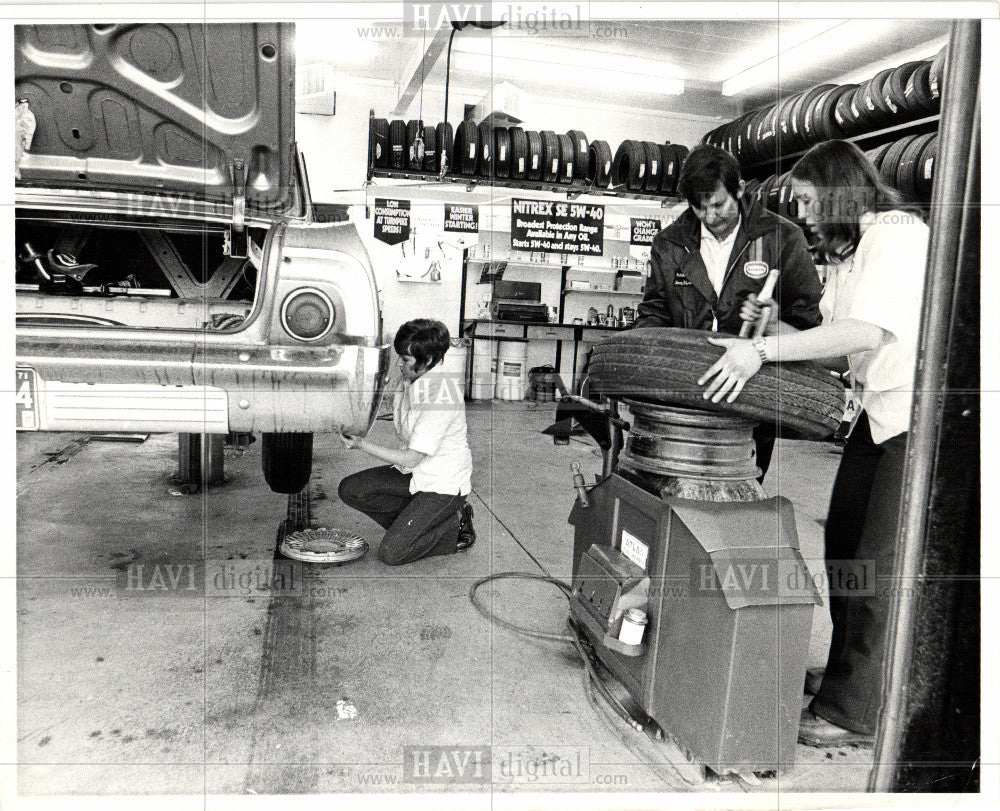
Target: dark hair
(704,169)
(849,185)
(423,339)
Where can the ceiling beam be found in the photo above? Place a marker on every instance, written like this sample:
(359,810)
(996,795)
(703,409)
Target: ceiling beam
(418,68)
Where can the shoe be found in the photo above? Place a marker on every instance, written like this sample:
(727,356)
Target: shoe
(466,533)
(823,734)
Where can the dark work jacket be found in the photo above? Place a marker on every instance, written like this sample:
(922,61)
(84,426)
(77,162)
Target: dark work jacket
(680,294)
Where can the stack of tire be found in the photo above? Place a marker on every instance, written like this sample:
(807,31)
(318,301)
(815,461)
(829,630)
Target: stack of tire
(893,96)
(491,153)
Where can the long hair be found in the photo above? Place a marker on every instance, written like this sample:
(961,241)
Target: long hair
(848,185)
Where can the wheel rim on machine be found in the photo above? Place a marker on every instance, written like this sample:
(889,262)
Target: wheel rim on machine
(690,453)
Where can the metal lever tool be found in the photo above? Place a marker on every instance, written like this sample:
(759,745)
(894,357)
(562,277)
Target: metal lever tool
(750,329)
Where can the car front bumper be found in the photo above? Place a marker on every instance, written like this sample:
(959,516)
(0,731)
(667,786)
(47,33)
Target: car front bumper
(200,386)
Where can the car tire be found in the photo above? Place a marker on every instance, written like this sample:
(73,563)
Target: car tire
(550,156)
(519,153)
(581,153)
(378,143)
(286,460)
(664,364)
(397,144)
(599,163)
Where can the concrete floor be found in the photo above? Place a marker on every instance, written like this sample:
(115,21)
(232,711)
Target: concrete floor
(152,686)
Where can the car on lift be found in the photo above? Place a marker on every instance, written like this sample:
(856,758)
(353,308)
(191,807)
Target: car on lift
(170,273)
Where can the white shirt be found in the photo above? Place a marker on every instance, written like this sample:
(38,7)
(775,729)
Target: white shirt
(715,254)
(429,417)
(883,284)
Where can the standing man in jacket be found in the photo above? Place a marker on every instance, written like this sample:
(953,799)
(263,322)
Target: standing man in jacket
(709,262)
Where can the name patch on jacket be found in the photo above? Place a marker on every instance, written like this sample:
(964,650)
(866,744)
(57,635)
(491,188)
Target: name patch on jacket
(755,270)
(680,280)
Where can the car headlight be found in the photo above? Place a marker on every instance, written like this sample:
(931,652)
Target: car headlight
(307,314)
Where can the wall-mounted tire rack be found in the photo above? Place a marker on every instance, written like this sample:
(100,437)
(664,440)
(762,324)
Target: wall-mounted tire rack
(379,138)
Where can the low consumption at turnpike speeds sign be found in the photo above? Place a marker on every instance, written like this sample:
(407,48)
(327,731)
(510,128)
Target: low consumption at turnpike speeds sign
(557,227)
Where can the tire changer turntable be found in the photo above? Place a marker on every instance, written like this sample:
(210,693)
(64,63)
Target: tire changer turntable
(687,578)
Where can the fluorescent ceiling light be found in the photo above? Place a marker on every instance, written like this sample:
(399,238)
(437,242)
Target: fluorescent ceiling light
(566,66)
(772,69)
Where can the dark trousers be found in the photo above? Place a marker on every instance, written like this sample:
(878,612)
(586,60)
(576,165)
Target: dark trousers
(860,541)
(418,525)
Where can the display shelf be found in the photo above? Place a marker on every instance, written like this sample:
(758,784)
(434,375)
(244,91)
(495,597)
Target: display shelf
(571,190)
(918,125)
(569,290)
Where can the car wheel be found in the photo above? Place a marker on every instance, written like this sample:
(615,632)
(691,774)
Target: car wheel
(664,365)
(286,460)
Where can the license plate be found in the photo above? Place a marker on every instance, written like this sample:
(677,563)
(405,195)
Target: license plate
(26,399)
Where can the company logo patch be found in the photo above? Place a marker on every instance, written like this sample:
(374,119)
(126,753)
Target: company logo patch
(755,270)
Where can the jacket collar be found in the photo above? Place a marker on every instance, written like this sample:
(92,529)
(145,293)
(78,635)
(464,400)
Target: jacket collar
(686,229)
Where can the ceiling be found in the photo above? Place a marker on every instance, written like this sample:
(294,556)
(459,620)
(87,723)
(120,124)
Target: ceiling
(625,63)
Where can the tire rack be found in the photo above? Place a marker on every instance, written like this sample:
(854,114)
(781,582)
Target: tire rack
(865,141)
(572,189)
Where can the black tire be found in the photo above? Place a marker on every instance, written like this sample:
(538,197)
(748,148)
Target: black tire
(801,114)
(550,156)
(567,164)
(879,113)
(629,167)
(484,166)
(520,159)
(430,149)
(581,152)
(844,121)
(877,154)
(673,156)
(936,74)
(501,153)
(378,143)
(445,138)
(890,161)
(534,155)
(810,124)
(919,97)
(599,164)
(654,167)
(466,149)
(664,365)
(827,124)
(397,144)
(895,90)
(924,175)
(286,460)
(906,172)
(412,128)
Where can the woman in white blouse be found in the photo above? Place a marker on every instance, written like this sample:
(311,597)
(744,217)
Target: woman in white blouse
(882,248)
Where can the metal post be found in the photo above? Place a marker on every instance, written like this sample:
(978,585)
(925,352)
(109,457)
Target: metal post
(951,258)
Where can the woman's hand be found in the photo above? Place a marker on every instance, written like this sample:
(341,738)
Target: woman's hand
(739,363)
(753,307)
(350,442)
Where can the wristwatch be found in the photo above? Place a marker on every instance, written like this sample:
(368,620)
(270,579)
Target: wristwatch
(758,344)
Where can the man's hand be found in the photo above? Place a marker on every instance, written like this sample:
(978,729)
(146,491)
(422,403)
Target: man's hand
(732,370)
(753,308)
(350,442)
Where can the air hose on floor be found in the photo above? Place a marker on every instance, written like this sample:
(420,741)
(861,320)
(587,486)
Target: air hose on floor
(592,680)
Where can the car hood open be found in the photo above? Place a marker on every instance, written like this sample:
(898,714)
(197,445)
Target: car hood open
(191,110)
